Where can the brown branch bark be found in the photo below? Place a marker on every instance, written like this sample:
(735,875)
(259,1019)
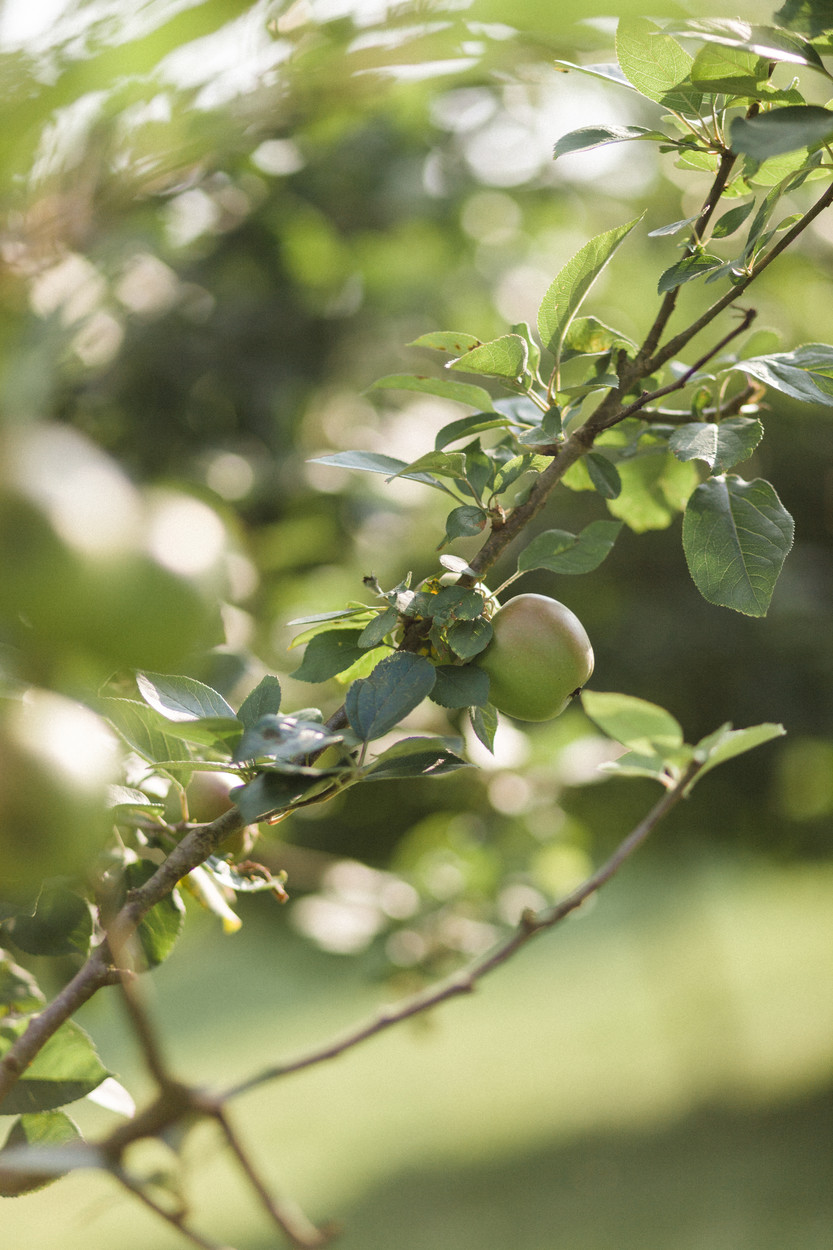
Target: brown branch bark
(531,925)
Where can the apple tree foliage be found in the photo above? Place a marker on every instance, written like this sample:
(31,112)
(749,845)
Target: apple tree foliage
(647,426)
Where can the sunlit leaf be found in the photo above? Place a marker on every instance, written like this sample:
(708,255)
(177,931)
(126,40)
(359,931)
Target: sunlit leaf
(182,698)
(720,445)
(656,64)
(505,357)
(566,293)
(805,374)
(643,727)
(462,392)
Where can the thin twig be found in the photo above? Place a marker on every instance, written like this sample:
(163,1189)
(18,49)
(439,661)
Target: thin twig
(288,1217)
(462,983)
(171,1217)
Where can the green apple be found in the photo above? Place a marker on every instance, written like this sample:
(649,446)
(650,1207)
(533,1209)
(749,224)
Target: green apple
(539,657)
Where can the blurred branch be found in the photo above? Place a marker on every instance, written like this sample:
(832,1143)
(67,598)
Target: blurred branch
(531,924)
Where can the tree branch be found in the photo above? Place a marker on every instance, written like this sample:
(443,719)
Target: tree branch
(531,924)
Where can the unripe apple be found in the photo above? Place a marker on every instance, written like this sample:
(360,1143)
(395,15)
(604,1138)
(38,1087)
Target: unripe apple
(539,657)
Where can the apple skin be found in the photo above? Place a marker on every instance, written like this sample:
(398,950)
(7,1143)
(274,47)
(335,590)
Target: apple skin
(539,657)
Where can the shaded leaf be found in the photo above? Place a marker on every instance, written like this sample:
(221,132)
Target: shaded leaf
(283,739)
(567,292)
(328,654)
(65,1068)
(604,475)
(19,991)
(464,522)
(484,721)
(736,536)
(461,686)
(139,726)
(265,699)
(160,928)
(124,800)
(781,130)
(805,374)
(643,727)
(436,464)
(376,631)
(373,462)
(634,764)
(376,704)
(720,446)
(266,794)
(731,221)
(468,638)
(43,1128)
(562,552)
(466,426)
(673,227)
(686,270)
(62,923)
(416,757)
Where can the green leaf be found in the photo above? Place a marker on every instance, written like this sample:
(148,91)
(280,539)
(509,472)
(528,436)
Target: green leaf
(62,923)
(182,698)
(726,742)
(736,536)
(721,446)
(505,357)
(587,336)
(161,927)
(377,630)
(655,487)
(139,726)
(567,292)
(634,764)
(604,475)
(125,801)
(415,757)
(264,700)
(436,463)
(643,727)
(484,722)
(608,72)
(466,426)
(729,71)
(561,552)
(283,739)
(330,653)
(805,374)
(371,462)
(807,17)
(464,522)
(673,227)
(461,686)
(732,221)
(782,130)
(764,41)
(461,392)
(376,704)
(587,137)
(65,1068)
(447,341)
(19,991)
(467,639)
(43,1128)
(686,270)
(268,793)
(656,64)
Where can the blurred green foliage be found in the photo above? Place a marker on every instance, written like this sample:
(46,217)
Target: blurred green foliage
(222,221)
